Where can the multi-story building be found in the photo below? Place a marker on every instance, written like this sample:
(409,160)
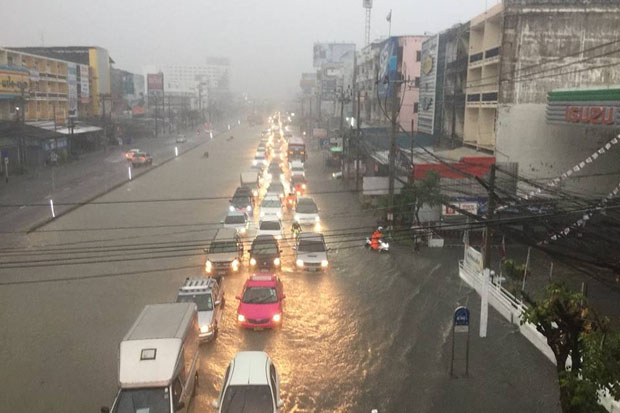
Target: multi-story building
(91,63)
(127,90)
(367,63)
(485,36)
(33,87)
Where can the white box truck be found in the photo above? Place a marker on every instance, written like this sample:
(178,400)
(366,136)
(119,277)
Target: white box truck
(158,361)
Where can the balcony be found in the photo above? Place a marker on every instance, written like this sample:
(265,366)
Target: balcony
(476,57)
(491,53)
(489,97)
(475,97)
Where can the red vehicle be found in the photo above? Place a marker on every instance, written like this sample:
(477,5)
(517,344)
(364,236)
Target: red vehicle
(299,185)
(261,302)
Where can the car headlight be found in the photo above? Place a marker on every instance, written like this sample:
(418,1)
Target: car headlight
(208,266)
(255,192)
(279,214)
(300,263)
(317,219)
(276,318)
(317,226)
(265,162)
(254,162)
(252,261)
(235,264)
(240,318)
(242,230)
(276,261)
(303,186)
(204,329)
(296,217)
(324,263)
(262,214)
(231,208)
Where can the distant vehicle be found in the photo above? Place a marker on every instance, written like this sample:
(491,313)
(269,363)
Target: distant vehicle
(274,171)
(251,385)
(208,296)
(141,159)
(260,157)
(297,168)
(225,253)
(242,200)
(181,139)
(158,360)
(297,149)
(299,185)
(238,221)
(260,302)
(270,225)
(311,252)
(265,253)
(271,206)
(251,180)
(307,213)
(276,189)
(130,153)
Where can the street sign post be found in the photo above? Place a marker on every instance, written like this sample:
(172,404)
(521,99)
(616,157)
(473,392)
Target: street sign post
(6,169)
(460,325)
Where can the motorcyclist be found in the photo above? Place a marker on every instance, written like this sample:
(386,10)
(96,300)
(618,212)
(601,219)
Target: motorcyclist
(290,200)
(296,229)
(375,238)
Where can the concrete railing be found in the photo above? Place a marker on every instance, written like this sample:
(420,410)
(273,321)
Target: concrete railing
(511,309)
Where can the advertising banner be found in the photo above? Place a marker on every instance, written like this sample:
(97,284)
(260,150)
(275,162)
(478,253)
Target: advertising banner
(332,53)
(473,260)
(155,83)
(586,107)
(84,89)
(13,81)
(388,67)
(72,89)
(428,85)
(471,207)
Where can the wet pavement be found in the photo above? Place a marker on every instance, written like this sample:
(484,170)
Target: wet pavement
(371,332)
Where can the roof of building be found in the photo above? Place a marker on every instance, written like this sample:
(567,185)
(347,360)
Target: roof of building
(250,367)
(76,54)
(11,129)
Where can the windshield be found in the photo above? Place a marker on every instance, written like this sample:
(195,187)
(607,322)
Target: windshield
(203,301)
(264,247)
(307,207)
(311,246)
(234,219)
(260,295)
(247,399)
(270,226)
(271,204)
(223,246)
(240,201)
(153,400)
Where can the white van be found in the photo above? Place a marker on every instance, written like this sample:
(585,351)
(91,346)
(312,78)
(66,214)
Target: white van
(159,360)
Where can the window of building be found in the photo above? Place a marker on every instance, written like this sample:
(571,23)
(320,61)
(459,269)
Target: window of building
(418,56)
(415,107)
(416,82)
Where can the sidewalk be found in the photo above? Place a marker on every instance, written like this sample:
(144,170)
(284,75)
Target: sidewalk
(93,174)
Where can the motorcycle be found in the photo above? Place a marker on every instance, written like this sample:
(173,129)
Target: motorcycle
(383,245)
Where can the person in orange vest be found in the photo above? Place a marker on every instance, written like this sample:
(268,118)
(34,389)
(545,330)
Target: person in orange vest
(375,238)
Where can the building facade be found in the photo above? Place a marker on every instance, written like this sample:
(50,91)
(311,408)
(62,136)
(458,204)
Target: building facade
(33,88)
(485,36)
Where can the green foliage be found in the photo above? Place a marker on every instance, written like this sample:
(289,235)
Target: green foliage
(573,329)
(514,276)
(408,203)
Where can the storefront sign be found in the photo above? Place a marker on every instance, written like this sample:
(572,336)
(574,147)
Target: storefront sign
(13,81)
(84,91)
(595,115)
(72,89)
(471,207)
(591,107)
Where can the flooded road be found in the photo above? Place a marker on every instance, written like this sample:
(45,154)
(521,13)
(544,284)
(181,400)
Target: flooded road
(371,332)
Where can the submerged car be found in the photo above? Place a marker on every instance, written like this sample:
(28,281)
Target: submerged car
(307,213)
(265,253)
(208,296)
(311,252)
(238,221)
(260,302)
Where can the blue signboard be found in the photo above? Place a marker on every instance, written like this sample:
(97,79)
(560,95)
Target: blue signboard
(461,319)
(388,67)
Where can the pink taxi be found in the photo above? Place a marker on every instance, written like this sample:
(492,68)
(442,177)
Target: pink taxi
(260,303)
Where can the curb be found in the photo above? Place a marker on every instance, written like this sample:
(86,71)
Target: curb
(72,208)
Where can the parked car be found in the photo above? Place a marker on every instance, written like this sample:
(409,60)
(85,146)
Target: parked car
(265,253)
(311,252)
(208,296)
(260,302)
(251,385)
(158,360)
(307,213)
(141,159)
(225,253)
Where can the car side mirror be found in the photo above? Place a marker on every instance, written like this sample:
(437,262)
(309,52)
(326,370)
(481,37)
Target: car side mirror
(294,248)
(280,403)
(230,201)
(215,404)
(105,409)
(179,406)
(283,296)
(205,250)
(218,302)
(238,297)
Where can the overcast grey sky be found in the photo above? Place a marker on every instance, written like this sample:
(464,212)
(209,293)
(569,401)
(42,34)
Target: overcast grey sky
(268,41)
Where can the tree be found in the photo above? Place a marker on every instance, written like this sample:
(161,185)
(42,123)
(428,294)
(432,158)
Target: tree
(413,197)
(573,329)
(514,275)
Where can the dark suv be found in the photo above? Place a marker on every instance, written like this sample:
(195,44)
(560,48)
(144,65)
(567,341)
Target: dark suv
(265,253)
(242,200)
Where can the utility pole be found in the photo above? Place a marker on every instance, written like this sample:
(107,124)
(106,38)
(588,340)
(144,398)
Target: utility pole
(392,157)
(357,145)
(488,232)
(156,114)
(411,152)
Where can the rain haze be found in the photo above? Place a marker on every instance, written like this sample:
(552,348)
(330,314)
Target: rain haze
(269,42)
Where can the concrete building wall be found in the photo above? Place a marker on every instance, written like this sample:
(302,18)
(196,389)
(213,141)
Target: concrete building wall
(412,48)
(540,35)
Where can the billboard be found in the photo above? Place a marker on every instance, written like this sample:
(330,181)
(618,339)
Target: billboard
(428,85)
(13,80)
(72,89)
(367,4)
(332,53)
(307,82)
(388,66)
(84,84)
(155,83)
(585,107)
